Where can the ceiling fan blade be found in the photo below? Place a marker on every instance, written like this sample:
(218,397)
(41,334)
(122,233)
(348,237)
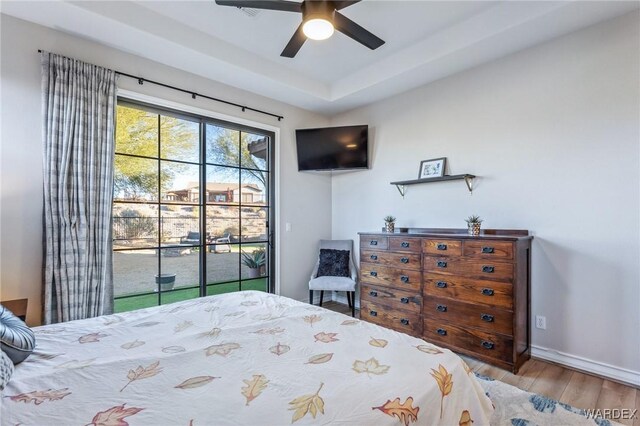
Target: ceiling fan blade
(344,3)
(296,42)
(356,32)
(282,5)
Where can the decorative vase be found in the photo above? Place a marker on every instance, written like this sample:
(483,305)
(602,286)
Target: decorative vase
(389,226)
(473,228)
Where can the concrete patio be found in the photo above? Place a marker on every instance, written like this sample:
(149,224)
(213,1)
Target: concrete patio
(134,271)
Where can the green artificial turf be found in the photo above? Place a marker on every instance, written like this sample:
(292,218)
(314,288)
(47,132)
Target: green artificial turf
(151,299)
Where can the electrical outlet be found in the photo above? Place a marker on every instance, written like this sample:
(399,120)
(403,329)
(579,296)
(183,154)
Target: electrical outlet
(287,227)
(541,322)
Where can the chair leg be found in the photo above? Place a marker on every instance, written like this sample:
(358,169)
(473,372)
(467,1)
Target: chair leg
(349,298)
(353,304)
(311,297)
(321,294)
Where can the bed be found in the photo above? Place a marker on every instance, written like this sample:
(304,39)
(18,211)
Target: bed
(246,358)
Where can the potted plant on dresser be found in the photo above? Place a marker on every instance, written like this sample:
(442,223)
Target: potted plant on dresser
(255,261)
(389,223)
(473,225)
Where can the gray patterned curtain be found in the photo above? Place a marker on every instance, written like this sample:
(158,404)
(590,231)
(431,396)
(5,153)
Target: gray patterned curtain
(78,105)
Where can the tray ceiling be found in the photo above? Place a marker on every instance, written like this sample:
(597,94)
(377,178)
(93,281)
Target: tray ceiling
(425,41)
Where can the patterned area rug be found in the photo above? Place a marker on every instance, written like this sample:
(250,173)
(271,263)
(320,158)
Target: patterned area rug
(515,407)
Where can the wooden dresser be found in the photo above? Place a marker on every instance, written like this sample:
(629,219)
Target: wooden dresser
(469,294)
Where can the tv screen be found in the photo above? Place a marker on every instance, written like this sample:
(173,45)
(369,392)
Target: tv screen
(332,148)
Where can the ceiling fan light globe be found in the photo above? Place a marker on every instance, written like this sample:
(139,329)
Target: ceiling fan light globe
(318,29)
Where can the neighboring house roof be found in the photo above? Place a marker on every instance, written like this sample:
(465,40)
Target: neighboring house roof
(220,187)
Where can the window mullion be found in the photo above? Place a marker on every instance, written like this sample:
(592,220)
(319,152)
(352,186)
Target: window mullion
(159,250)
(203,211)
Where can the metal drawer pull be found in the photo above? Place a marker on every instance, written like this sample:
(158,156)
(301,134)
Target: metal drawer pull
(486,317)
(487,291)
(404,321)
(373,273)
(441,331)
(487,249)
(441,284)
(404,260)
(404,300)
(374,257)
(441,308)
(404,244)
(441,264)
(404,278)
(441,246)
(373,243)
(373,293)
(373,313)
(488,269)
(487,345)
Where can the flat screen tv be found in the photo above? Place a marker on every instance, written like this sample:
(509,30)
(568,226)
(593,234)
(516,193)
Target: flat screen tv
(332,148)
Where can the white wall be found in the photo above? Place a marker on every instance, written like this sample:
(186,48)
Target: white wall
(304,198)
(553,134)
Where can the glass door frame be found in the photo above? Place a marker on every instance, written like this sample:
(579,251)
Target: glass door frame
(270,202)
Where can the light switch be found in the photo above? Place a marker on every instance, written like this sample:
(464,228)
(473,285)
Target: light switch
(287,227)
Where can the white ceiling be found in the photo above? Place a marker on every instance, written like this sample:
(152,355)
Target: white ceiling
(425,41)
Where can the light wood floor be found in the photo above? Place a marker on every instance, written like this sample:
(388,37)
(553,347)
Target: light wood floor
(554,381)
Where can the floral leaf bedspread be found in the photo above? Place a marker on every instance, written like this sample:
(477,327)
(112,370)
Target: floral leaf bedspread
(245,358)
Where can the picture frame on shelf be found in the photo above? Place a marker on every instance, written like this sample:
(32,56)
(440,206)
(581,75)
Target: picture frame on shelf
(433,168)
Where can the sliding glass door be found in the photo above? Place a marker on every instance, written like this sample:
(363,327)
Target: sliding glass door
(192,210)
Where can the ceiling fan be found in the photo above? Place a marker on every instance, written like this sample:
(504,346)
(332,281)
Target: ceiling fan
(319,19)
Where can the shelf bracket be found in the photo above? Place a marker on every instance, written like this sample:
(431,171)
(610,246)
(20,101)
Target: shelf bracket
(401,189)
(468,180)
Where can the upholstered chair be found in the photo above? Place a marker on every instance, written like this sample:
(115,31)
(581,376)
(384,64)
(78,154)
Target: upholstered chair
(335,283)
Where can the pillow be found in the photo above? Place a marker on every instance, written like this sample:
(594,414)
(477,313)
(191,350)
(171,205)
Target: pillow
(16,339)
(6,369)
(333,263)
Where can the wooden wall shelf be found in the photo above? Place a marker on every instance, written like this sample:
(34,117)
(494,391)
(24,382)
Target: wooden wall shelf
(401,185)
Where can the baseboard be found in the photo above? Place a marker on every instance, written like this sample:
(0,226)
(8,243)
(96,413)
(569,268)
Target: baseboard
(612,372)
(341,297)
(327,297)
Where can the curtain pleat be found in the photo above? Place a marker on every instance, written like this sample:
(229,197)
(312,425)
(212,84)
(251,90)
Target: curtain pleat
(78,108)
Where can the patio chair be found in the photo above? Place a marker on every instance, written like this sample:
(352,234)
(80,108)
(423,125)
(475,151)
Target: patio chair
(220,245)
(191,238)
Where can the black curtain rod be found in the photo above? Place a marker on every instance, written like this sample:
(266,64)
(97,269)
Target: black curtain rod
(193,94)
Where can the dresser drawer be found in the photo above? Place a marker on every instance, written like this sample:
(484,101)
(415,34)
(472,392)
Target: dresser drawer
(394,260)
(476,268)
(400,278)
(494,293)
(471,340)
(409,301)
(442,247)
(412,245)
(409,323)
(484,317)
(376,242)
(489,249)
